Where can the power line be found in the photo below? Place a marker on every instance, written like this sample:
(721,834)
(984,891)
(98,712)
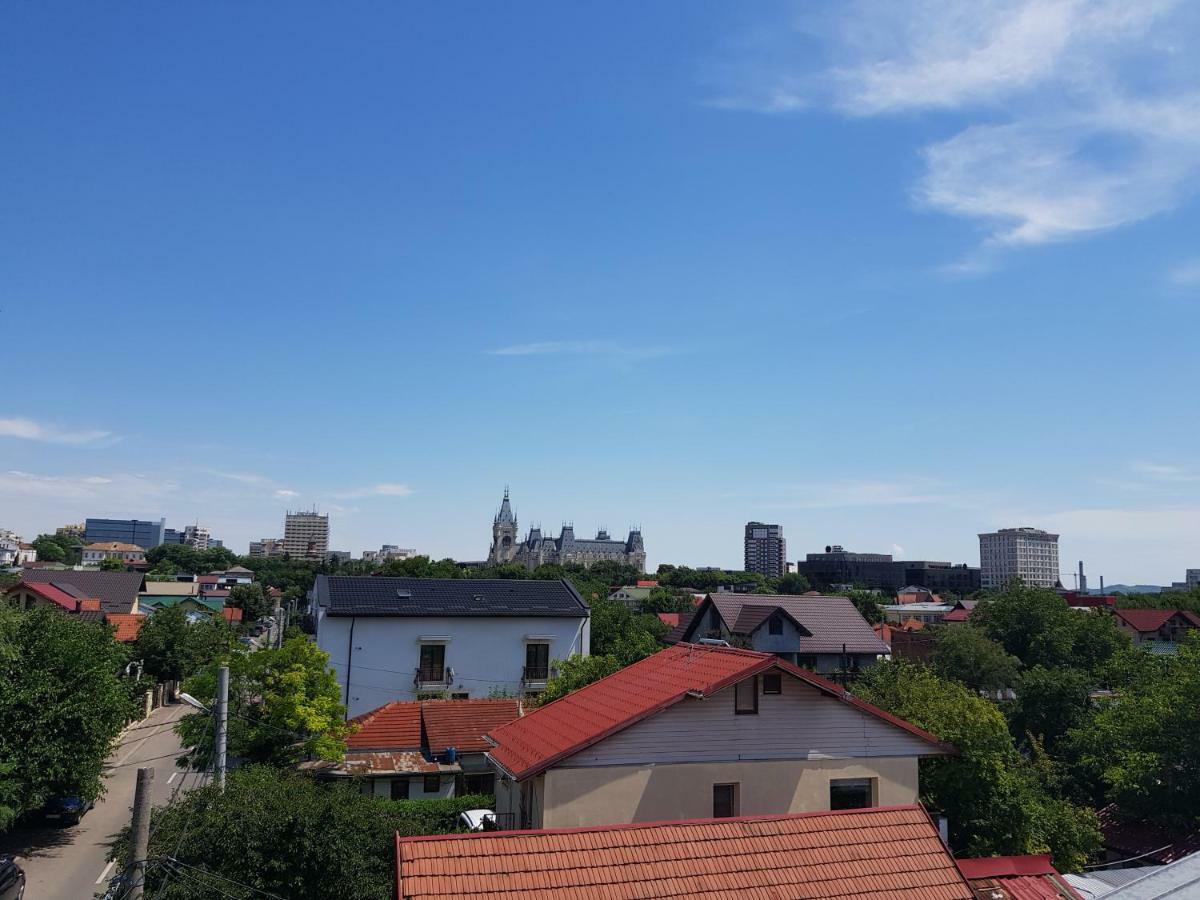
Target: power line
(248,887)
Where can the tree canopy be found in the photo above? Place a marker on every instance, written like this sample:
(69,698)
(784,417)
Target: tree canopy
(174,648)
(61,705)
(965,654)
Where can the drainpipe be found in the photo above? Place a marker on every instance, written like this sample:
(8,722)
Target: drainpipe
(349,660)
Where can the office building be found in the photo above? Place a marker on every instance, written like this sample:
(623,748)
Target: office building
(765,549)
(879,572)
(1026,553)
(388,552)
(266,547)
(142,533)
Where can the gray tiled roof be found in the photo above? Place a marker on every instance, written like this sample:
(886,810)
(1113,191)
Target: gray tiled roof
(117,591)
(833,621)
(345,595)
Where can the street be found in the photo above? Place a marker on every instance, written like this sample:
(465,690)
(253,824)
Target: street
(69,863)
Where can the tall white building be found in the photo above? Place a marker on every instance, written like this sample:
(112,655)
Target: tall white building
(306,535)
(196,536)
(1026,553)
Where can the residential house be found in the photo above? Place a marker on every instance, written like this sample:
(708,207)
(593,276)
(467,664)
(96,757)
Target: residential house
(70,599)
(909,640)
(632,595)
(94,554)
(917,595)
(26,554)
(925,613)
(117,591)
(9,552)
(961,612)
(893,852)
(696,731)
(466,638)
(1145,842)
(825,634)
(422,750)
(1158,630)
(126,626)
(1016,878)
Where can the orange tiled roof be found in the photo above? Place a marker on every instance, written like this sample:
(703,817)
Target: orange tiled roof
(549,734)
(231,613)
(434,725)
(127,626)
(887,852)
(115,547)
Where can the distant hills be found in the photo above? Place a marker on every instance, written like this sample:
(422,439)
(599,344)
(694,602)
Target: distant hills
(1127,589)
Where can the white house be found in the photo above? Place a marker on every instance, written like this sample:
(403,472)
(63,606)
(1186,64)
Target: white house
(458,638)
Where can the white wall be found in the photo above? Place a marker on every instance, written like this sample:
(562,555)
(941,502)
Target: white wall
(484,653)
(382,787)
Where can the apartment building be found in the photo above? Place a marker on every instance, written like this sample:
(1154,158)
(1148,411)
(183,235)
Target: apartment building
(1026,553)
(306,535)
(765,549)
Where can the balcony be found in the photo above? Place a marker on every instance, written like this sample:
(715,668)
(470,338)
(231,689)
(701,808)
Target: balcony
(429,677)
(531,675)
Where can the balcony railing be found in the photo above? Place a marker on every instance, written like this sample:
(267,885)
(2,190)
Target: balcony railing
(434,675)
(535,673)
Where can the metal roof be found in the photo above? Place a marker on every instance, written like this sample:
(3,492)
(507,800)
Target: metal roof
(117,590)
(344,595)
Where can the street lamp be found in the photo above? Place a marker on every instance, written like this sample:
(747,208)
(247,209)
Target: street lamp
(192,701)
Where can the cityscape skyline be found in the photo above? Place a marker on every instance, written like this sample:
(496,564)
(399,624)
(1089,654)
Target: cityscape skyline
(717,234)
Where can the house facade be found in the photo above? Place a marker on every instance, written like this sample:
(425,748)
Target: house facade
(697,731)
(94,554)
(1156,629)
(824,634)
(458,638)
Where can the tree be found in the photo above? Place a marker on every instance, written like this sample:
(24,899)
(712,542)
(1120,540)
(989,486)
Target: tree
(287,835)
(62,703)
(252,600)
(993,799)
(112,564)
(49,549)
(174,648)
(575,672)
(868,603)
(1050,702)
(667,600)
(626,636)
(164,571)
(1142,744)
(792,583)
(285,704)
(965,654)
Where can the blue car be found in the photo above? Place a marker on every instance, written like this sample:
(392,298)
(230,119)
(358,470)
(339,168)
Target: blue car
(66,810)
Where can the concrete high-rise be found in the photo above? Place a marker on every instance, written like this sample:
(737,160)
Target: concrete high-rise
(305,535)
(1026,553)
(765,549)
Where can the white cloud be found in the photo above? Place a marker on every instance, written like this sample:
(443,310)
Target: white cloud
(376,490)
(284,493)
(28,429)
(1165,472)
(1083,115)
(583,348)
(116,488)
(834,495)
(1185,274)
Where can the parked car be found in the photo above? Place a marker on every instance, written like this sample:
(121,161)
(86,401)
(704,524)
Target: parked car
(66,810)
(477,820)
(12,879)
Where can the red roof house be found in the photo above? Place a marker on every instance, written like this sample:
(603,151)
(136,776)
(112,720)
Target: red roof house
(126,626)
(1152,625)
(231,614)
(1016,878)
(887,852)
(26,594)
(701,703)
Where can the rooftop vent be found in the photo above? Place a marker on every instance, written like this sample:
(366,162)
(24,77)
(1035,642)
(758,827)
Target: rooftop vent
(403,594)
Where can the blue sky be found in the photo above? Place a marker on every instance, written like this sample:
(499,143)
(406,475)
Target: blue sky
(887,273)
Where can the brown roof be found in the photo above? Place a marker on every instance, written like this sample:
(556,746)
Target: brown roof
(115,547)
(358,763)
(432,725)
(117,590)
(1016,878)
(833,621)
(886,852)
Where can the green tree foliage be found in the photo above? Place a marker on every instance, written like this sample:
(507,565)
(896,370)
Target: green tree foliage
(112,564)
(1143,744)
(966,655)
(667,600)
(623,634)
(574,673)
(1050,702)
(868,603)
(252,600)
(53,548)
(1189,600)
(1036,626)
(62,703)
(994,800)
(287,835)
(190,561)
(174,648)
(792,583)
(164,571)
(285,705)
(709,580)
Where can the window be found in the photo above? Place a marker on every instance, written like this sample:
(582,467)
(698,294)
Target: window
(725,801)
(806,661)
(460,695)
(775,626)
(537,662)
(745,697)
(851,793)
(479,784)
(772,683)
(399,788)
(433,784)
(433,662)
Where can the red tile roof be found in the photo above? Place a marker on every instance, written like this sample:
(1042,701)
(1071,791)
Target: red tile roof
(463,723)
(669,619)
(126,626)
(1017,878)
(643,582)
(1147,620)
(48,592)
(886,852)
(549,734)
(957,615)
(231,613)
(1151,842)
(433,725)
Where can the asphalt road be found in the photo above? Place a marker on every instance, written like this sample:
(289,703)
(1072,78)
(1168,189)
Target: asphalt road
(69,863)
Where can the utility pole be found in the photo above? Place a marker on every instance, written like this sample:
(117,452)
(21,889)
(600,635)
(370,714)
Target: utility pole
(141,831)
(278,613)
(222,714)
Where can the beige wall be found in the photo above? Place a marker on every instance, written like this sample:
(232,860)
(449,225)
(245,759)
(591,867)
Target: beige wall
(620,794)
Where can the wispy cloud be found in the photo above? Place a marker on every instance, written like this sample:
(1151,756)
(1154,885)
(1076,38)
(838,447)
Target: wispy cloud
(1185,274)
(613,349)
(285,493)
(1082,116)
(1165,472)
(28,429)
(121,488)
(841,494)
(376,490)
